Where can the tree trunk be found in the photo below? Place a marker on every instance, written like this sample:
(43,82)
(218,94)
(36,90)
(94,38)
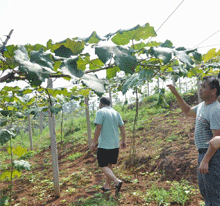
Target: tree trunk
(110,96)
(173,80)
(88,123)
(53,147)
(62,126)
(41,123)
(148,89)
(93,107)
(180,85)
(198,86)
(133,142)
(71,107)
(30,132)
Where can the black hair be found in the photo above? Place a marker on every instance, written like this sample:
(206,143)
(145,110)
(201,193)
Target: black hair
(105,101)
(213,83)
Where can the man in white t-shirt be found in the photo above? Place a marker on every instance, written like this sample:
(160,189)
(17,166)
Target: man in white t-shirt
(108,121)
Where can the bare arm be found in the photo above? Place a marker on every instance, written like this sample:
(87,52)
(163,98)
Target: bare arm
(183,105)
(96,136)
(122,129)
(215,142)
(213,147)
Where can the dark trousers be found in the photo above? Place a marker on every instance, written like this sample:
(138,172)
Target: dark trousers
(209,184)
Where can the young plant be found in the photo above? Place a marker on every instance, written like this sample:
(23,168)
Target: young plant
(15,165)
(180,192)
(158,195)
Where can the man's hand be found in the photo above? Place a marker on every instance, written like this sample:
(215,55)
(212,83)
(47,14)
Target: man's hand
(93,146)
(204,167)
(183,105)
(173,89)
(96,136)
(123,144)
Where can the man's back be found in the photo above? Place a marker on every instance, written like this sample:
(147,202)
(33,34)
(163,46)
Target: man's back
(110,121)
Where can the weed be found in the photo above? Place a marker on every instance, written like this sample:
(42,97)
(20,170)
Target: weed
(177,111)
(201,203)
(71,190)
(152,98)
(180,192)
(28,155)
(75,156)
(158,195)
(172,137)
(96,200)
(45,160)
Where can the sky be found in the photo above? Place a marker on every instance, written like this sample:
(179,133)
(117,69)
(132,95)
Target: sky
(37,21)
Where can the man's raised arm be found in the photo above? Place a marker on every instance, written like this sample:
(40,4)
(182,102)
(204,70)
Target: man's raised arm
(183,105)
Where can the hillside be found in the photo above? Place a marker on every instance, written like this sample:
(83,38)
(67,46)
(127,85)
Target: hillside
(164,170)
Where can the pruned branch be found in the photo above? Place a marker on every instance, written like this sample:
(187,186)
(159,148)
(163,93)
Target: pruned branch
(96,70)
(12,76)
(5,42)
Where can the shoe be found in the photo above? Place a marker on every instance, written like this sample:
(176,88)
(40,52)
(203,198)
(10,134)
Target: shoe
(118,188)
(105,190)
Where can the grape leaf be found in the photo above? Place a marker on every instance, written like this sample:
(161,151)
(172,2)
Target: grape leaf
(209,55)
(41,58)
(165,54)
(137,79)
(93,38)
(68,47)
(69,67)
(111,73)
(33,71)
(137,33)
(92,82)
(123,57)
(6,135)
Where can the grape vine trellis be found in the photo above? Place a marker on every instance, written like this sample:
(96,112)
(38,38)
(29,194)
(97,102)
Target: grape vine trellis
(130,53)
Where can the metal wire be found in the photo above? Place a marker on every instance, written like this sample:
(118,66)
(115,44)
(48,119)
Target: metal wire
(166,20)
(208,46)
(206,39)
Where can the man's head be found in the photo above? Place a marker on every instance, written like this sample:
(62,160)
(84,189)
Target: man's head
(209,89)
(104,101)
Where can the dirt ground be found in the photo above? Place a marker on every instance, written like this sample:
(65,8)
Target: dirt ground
(158,162)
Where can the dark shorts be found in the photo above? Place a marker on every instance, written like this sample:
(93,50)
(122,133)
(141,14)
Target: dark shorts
(107,156)
(209,184)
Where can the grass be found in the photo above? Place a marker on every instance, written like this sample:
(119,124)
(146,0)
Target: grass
(96,200)
(179,193)
(74,156)
(74,127)
(172,137)
(149,150)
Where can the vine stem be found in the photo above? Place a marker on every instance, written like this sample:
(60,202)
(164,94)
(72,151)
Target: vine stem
(12,167)
(12,74)
(133,148)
